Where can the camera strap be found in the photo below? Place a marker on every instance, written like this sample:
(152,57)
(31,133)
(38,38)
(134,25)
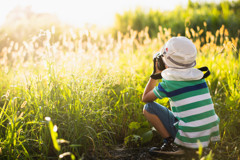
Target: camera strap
(203,69)
(206,70)
(156,76)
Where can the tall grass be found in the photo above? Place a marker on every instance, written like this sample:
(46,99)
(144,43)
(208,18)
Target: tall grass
(91,86)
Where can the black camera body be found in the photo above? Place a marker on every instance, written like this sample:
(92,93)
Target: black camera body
(160,64)
(158,57)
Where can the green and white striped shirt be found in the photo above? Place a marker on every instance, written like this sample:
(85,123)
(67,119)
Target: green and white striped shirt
(192,105)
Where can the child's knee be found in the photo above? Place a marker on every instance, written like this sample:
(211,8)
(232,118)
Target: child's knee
(144,111)
(147,108)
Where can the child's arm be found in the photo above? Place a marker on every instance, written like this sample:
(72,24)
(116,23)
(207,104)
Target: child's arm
(148,95)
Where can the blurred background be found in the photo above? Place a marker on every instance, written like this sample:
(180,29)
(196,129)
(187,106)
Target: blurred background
(20,20)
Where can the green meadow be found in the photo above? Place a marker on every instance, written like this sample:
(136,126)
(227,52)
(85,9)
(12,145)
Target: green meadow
(82,94)
(71,93)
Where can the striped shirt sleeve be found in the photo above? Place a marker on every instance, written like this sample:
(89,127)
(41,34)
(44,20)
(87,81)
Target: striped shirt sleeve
(159,94)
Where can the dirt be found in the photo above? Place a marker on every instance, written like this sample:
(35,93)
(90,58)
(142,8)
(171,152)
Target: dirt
(121,152)
(139,153)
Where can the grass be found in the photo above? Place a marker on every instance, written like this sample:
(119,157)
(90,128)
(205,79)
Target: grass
(90,87)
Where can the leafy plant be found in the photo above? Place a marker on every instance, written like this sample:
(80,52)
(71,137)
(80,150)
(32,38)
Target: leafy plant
(139,134)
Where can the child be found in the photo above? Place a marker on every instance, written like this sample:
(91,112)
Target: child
(192,117)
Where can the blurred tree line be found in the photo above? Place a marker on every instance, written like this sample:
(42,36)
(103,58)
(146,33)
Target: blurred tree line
(22,24)
(209,16)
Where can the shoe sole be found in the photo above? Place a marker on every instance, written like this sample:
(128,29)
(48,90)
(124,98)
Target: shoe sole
(178,153)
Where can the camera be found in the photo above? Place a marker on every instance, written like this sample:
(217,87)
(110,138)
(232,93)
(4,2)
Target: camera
(160,64)
(158,58)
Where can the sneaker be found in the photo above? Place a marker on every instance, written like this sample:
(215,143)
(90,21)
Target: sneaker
(168,148)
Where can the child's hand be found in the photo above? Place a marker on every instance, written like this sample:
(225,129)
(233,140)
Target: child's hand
(156,68)
(156,72)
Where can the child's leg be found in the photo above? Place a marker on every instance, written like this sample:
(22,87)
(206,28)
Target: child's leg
(161,118)
(157,123)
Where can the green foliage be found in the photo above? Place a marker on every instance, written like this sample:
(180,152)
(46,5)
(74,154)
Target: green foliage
(91,87)
(139,134)
(57,142)
(215,15)
(134,125)
(54,135)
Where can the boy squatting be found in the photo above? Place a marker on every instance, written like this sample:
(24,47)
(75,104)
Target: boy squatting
(192,116)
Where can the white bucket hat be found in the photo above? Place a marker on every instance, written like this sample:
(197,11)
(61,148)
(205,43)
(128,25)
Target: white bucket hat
(179,52)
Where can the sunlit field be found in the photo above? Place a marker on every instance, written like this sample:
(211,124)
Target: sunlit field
(81,95)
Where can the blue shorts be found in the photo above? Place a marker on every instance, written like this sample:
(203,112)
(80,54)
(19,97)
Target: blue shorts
(165,115)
